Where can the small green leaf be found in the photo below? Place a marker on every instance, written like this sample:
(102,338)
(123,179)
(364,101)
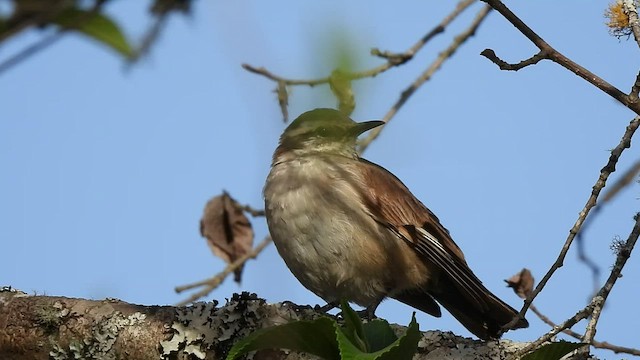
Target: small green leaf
(553,351)
(353,327)
(402,349)
(348,350)
(316,337)
(405,347)
(96,26)
(379,334)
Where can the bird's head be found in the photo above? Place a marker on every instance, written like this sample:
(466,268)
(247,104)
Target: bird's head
(325,131)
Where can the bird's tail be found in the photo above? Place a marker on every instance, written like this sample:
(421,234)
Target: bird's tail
(482,313)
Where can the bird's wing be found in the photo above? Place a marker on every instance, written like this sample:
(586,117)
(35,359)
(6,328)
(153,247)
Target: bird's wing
(394,206)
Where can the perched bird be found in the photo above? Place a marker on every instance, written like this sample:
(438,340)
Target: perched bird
(349,229)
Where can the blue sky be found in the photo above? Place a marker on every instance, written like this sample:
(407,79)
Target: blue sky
(106,170)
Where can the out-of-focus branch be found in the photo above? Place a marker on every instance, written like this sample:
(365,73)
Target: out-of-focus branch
(393,59)
(210,284)
(44,16)
(30,50)
(608,169)
(548,52)
(30,15)
(426,75)
(251,210)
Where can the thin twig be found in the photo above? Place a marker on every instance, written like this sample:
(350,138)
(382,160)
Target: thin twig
(597,344)
(393,59)
(596,304)
(503,65)
(210,284)
(582,314)
(608,169)
(253,211)
(599,300)
(557,57)
(426,75)
(269,75)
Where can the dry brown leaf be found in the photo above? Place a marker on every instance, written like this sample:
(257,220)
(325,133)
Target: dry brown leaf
(521,283)
(228,231)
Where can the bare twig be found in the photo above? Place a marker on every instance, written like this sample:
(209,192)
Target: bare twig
(557,57)
(614,189)
(582,314)
(266,73)
(503,65)
(610,167)
(210,284)
(623,253)
(253,211)
(597,344)
(426,75)
(395,59)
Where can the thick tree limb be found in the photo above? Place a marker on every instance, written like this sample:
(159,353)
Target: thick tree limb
(43,327)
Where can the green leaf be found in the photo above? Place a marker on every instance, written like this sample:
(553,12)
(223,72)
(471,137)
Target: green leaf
(553,351)
(96,26)
(402,349)
(316,337)
(353,327)
(406,346)
(378,334)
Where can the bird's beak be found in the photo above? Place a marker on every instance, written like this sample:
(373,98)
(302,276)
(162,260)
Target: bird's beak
(361,127)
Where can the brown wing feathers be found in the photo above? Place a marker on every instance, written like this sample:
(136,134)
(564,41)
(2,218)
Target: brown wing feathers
(455,286)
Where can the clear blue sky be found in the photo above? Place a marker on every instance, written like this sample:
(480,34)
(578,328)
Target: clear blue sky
(105,171)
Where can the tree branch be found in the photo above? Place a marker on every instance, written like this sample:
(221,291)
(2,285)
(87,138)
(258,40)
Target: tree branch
(393,60)
(212,283)
(552,54)
(426,75)
(608,169)
(623,252)
(597,344)
(41,327)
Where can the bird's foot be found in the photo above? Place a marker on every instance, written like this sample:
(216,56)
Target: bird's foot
(328,307)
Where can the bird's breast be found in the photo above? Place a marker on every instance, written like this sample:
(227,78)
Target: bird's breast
(321,228)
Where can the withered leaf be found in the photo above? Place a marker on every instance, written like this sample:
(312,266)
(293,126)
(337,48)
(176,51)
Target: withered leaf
(228,231)
(521,283)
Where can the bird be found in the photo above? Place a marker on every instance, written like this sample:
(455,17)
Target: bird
(348,229)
